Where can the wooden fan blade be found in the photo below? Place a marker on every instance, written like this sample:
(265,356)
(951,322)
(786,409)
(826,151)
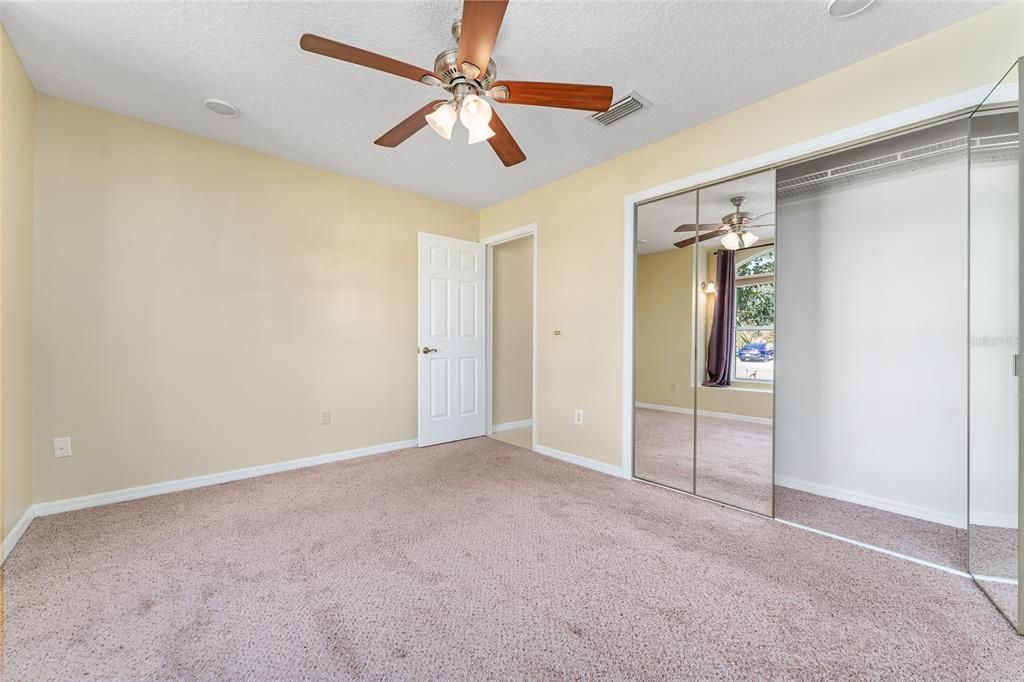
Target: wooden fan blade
(693,240)
(503,144)
(702,227)
(481,20)
(354,55)
(404,130)
(563,95)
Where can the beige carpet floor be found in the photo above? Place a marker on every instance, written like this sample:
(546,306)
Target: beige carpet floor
(734,466)
(935,542)
(994,555)
(474,560)
(734,458)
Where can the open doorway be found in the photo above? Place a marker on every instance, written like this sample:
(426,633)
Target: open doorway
(511,339)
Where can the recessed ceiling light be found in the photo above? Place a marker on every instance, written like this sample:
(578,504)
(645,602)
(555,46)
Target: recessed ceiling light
(847,8)
(221,108)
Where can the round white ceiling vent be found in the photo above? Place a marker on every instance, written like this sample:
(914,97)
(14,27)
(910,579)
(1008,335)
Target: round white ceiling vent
(847,8)
(221,108)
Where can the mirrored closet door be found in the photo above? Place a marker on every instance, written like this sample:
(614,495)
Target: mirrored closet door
(664,351)
(736,342)
(995,324)
(704,341)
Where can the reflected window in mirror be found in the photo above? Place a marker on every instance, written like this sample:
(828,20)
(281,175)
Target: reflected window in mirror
(754,325)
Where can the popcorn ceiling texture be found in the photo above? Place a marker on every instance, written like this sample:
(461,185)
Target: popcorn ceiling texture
(474,560)
(158,61)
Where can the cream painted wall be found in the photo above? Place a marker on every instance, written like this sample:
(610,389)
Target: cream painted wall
(581,216)
(17,142)
(512,340)
(197,304)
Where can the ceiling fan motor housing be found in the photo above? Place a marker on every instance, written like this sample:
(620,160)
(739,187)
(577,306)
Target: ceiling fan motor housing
(737,218)
(446,68)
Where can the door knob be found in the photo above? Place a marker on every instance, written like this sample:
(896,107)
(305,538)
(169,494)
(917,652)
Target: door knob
(427,350)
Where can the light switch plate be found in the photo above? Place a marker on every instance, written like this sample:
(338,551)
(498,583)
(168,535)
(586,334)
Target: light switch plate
(62,447)
(325,417)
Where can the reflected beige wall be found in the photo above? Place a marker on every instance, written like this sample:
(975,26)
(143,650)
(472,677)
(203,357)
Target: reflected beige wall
(198,304)
(664,334)
(512,340)
(580,217)
(17,142)
(664,328)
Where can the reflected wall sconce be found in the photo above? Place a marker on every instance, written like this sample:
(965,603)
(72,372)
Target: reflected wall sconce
(708,287)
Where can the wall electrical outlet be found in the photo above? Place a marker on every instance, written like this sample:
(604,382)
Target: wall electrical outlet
(672,385)
(62,447)
(579,417)
(325,417)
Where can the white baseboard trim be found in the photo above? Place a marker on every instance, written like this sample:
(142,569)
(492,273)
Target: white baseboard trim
(665,408)
(913,511)
(19,529)
(125,494)
(508,426)
(707,413)
(585,462)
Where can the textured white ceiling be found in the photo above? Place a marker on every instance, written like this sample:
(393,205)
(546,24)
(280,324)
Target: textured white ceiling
(656,222)
(158,61)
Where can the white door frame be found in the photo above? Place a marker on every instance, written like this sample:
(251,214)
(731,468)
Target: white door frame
(886,125)
(490,243)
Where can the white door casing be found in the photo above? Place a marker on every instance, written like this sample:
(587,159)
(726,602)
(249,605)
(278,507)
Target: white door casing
(452,343)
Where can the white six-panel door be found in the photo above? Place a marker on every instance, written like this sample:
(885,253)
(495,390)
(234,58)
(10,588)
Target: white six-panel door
(452,403)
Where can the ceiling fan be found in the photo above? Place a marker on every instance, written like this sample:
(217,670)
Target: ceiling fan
(734,228)
(469,76)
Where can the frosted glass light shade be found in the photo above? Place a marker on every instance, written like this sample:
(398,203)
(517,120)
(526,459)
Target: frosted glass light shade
(475,113)
(480,133)
(442,120)
(749,238)
(731,241)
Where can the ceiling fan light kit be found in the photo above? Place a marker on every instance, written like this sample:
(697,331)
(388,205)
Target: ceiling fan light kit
(458,71)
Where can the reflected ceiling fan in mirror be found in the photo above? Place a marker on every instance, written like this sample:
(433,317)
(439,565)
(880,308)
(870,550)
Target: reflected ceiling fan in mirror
(469,76)
(734,228)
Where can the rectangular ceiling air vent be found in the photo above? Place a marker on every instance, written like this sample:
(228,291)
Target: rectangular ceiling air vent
(620,109)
